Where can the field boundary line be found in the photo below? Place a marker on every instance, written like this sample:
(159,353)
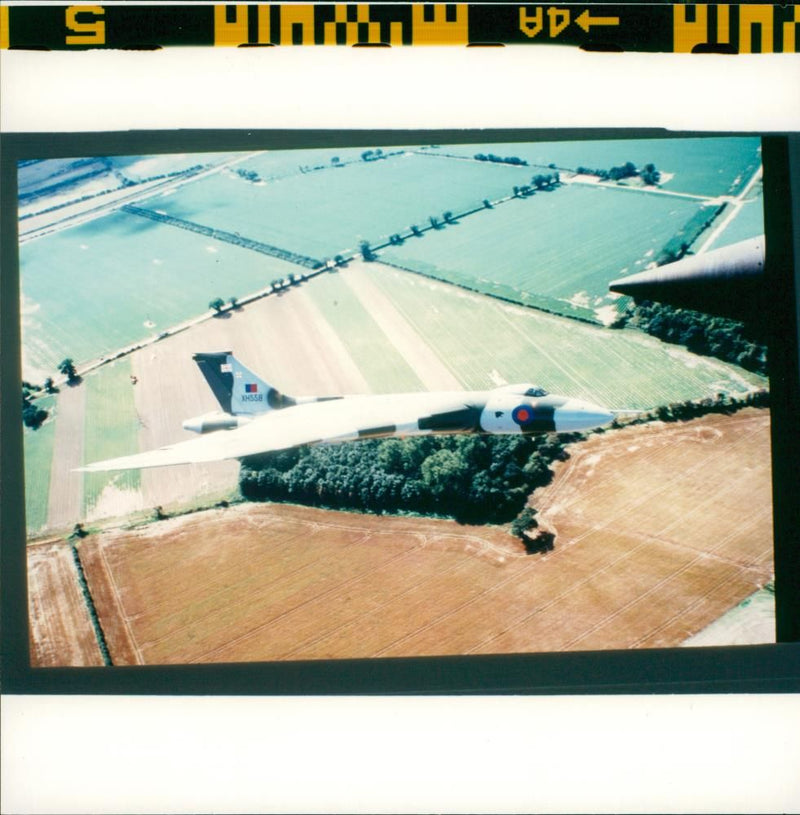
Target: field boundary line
(122,615)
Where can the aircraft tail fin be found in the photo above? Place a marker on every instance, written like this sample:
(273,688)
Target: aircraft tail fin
(237,389)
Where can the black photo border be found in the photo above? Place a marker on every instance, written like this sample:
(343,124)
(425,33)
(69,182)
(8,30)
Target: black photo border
(737,669)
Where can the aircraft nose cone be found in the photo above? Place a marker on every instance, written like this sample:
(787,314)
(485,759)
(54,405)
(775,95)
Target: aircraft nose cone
(576,414)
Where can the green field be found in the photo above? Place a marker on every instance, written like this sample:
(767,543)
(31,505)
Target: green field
(112,428)
(701,166)
(38,452)
(117,280)
(565,244)
(120,279)
(380,363)
(327,212)
(749,223)
(482,338)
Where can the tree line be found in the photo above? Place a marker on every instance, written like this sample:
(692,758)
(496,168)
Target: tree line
(471,478)
(649,174)
(701,333)
(514,160)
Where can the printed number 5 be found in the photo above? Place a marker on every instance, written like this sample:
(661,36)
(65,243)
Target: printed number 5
(90,32)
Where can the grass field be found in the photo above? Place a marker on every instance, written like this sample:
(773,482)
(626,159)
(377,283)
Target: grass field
(100,286)
(652,545)
(748,223)
(112,429)
(566,244)
(104,285)
(476,336)
(38,452)
(701,166)
(326,212)
(376,358)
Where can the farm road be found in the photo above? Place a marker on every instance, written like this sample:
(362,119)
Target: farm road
(65,504)
(422,359)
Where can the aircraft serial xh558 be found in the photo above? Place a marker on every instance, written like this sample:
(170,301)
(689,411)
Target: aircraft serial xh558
(256,418)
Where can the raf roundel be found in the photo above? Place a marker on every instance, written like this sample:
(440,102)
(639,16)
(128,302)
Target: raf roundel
(522,414)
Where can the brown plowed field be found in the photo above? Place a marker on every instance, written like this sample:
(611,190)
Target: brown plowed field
(661,530)
(60,630)
(653,544)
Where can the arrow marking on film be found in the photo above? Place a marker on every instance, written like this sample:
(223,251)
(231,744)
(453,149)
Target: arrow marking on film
(584,20)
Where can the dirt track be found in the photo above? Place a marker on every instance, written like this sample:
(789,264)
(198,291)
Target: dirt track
(65,505)
(433,373)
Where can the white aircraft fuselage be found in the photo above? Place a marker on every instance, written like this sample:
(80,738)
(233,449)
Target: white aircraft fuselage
(256,418)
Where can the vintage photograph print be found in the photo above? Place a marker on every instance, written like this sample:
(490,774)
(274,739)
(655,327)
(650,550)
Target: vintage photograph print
(403,400)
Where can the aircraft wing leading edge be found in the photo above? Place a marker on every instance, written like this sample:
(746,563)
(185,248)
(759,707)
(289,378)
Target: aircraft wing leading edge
(317,422)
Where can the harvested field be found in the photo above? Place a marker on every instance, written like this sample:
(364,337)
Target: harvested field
(60,630)
(65,505)
(680,518)
(633,566)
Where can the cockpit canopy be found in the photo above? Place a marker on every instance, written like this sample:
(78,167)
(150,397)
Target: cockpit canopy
(525,389)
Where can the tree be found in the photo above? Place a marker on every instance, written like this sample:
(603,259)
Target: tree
(445,472)
(523,522)
(32,415)
(49,386)
(366,251)
(234,301)
(67,367)
(217,305)
(650,175)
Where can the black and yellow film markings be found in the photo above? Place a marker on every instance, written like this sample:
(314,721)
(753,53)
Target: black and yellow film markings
(662,27)
(552,21)
(4,35)
(85,25)
(341,24)
(744,29)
